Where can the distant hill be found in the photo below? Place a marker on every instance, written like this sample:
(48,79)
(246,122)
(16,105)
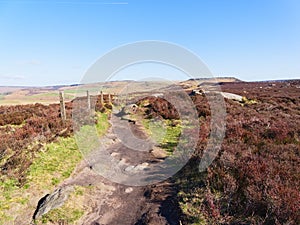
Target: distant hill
(49,94)
(217,79)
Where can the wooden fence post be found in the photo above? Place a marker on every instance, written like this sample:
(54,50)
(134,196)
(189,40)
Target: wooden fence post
(62,106)
(101,99)
(115,99)
(109,99)
(88,100)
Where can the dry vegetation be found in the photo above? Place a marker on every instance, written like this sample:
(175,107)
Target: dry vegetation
(254,179)
(37,152)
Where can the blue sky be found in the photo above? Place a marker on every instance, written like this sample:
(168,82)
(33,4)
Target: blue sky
(55,42)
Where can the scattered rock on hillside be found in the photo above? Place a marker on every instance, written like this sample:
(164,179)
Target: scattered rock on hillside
(52,201)
(231,96)
(158,153)
(226,95)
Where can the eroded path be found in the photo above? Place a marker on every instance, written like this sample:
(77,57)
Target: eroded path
(114,203)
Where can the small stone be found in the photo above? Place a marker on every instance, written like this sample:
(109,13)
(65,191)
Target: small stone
(128,190)
(114,154)
(142,166)
(159,153)
(129,168)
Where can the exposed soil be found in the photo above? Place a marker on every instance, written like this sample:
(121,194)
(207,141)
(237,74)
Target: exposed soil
(114,203)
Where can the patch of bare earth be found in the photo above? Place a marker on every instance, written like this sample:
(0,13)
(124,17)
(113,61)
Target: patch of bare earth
(110,203)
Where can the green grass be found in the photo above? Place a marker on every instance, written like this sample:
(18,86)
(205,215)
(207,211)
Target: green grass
(10,196)
(190,205)
(82,91)
(63,215)
(13,126)
(53,164)
(103,124)
(88,136)
(246,101)
(5,101)
(53,95)
(165,133)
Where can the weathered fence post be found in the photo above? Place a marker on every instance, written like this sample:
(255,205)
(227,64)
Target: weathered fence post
(115,99)
(62,106)
(88,100)
(101,98)
(109,99)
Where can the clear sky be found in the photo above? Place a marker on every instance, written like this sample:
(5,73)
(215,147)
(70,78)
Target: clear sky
(55,42)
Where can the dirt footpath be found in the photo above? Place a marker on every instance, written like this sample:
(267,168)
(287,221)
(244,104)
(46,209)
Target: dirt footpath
(112,203)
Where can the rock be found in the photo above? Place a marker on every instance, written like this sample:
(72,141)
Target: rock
(226,95)
(142,166)
(129,168)
(128,190)
(159,153)
(52,201)
(115,154)
(197,92)
(157,95)
(231,96)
